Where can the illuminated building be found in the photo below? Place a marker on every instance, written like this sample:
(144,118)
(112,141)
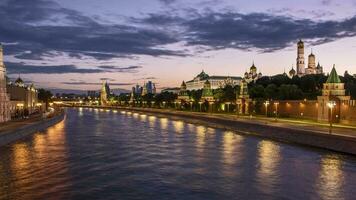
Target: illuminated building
(312,68)
(333,91)
(215,81)
(5,114)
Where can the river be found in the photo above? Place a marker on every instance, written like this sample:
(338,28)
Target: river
(103,154)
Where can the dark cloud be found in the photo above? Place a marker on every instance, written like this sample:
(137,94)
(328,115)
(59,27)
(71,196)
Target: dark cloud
(262,31)
(130,69)
(167,1)
(21,68)
(40,26)
(94,83)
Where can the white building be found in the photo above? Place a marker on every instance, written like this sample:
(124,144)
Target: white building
(312,68)
(215,81)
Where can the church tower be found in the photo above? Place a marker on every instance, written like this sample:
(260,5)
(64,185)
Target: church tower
(300,58)
(4,97)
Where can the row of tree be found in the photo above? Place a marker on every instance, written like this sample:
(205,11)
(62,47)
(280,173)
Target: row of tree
(279,87)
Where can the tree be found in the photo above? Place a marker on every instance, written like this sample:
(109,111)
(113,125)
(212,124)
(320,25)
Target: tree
(44,96)
(271,91)
(290,92)
(257,91)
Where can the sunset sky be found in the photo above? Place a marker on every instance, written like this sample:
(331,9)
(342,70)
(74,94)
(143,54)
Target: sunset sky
(74,44)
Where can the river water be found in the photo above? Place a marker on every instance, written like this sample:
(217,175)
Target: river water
(102,154)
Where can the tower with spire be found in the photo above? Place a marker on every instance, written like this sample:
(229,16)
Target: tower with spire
(333,92)
(5,114)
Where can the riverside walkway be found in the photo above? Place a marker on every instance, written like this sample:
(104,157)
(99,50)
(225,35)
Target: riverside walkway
(297,124)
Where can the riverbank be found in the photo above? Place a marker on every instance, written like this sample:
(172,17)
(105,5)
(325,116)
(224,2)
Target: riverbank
(14,131)
(342,140)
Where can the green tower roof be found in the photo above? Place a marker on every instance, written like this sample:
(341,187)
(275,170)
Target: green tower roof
(333,77)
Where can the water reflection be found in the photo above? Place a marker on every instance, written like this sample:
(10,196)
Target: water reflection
(80,113)
(152,120)
(200,138)
(143,117)
(110,157)
(331,178)
(231,142)
(178,126)
(20,165)
(269,160)
(164,123)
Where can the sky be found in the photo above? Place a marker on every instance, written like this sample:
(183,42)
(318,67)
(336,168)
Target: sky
(76,44)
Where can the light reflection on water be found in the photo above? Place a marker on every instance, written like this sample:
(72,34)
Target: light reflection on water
(125,155)
(331,178)
(268,160)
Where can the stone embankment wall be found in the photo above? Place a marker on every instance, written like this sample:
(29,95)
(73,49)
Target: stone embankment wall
(24,131)
(305,137)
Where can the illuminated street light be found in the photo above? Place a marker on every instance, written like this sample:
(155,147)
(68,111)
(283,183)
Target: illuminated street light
(276,105)
(331,105)
(266,103)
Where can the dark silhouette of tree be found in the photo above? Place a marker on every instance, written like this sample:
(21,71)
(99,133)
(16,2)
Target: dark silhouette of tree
(44,96)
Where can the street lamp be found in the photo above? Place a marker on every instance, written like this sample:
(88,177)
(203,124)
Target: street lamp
(276,104)
(331,105)
(266,106)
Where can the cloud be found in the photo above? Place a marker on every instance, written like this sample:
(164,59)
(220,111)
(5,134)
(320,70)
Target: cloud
(94,83)
(167,2)
(43,26)
(21,68)
(213,30)
(38,28)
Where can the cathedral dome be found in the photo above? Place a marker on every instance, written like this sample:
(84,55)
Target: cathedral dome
(253,67)
(19,82)
(292,72)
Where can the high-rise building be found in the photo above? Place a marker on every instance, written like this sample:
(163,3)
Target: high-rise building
(104,94)
(5,112)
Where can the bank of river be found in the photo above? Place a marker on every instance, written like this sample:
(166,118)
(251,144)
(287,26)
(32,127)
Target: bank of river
(22,130)
(312,138)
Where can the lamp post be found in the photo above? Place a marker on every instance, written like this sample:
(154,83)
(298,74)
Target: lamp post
(276,105)
(331,105)
(266,103)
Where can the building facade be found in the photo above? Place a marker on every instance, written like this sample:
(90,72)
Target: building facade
(23,98)
(5,113)
(215,81)
(311,68)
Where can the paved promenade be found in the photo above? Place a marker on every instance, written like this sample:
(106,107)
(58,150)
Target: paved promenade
(13,125)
